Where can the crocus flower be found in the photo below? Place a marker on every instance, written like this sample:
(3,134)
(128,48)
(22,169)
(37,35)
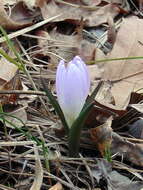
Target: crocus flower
(72,87)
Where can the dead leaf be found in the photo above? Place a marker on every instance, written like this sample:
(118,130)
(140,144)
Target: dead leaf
(126,75)
(128,150)
(60,46)
(101,136)
(136,128)
(136,97)
(9,2)
(111,31)
(30,4)
(17,118)
(91,17)
(18,18)
(104,106)
(7,70)
(9,80)
(138,107)
(58,186)
(91,2)
(101,16)
(64,46)
(86,50)
(95,74)
(115,181)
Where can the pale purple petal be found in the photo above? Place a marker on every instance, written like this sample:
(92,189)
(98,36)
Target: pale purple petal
(60,77)
(82,66)
(74,96)
(72,86)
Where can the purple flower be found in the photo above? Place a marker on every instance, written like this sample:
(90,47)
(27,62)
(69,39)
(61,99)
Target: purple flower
(72,86)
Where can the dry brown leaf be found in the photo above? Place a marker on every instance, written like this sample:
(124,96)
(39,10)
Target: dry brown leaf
(101,136)
(135,129)
(126,75)
(138,107)
(58,186)
(7,69)
(114,179)
(128,150)
(8,79)
(18,119)
(95,74)
(86,50)
(75,12)
(111,31)
(101,16)
(30,4)
(18,18)
(64,45)
(59,46)
(9,2)
(96,71)
(104,106)
(91,2)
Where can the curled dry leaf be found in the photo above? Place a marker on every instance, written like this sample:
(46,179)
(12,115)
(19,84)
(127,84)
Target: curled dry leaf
(64,46)
(138,107)
(128,150)
(8,79)
(17,118)
(111,31)
(7,70)
(58,186)
(115,180)
(19,17)
(9,2)
(126,75)
(30,4)
(104,106)
(136,128)
(86,50)
(91,2)
(92,17)
(102,137)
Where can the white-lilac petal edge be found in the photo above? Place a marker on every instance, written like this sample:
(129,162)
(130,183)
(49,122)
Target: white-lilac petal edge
(72,86)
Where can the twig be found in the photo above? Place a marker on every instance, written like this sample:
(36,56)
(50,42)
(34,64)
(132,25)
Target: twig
(29,92)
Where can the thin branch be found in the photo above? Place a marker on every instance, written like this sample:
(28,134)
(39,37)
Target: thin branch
(29,92)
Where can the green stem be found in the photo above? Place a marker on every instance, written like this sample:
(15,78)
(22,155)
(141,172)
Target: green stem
(45,154)
(75,131)
(3,120)
(114,59)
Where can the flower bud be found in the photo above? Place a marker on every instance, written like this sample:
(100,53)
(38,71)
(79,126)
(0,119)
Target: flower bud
(72,87)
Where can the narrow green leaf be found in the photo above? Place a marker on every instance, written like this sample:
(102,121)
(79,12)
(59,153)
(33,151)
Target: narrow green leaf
(7,57)
(94,93)
(10,44)
(114,59)
(12,48)
(75,131)
(55,105)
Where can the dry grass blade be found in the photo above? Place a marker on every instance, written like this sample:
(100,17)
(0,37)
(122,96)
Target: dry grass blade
(3,187)
(38,167)
(29,92)
(57,186)
(39,172)
(28,29)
